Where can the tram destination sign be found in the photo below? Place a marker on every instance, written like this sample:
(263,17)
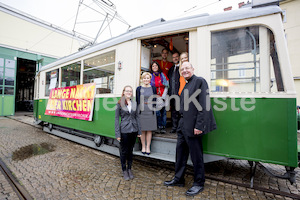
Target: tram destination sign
(75,102)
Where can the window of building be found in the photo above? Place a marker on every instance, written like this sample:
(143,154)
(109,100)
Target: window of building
(236,56)
(9,72)
(51,81)
(70,75)
(9,90)
(100,70)
(9,77)
(241,71)
(9,81)
(1,79)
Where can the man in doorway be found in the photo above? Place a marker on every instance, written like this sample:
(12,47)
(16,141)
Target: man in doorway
(164,64)
(173,90)
(196,119)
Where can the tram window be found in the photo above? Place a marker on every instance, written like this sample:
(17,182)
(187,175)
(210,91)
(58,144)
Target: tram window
(51,81)
(70,75)
(100,70)
(1,89)
(238,57)
(235,60)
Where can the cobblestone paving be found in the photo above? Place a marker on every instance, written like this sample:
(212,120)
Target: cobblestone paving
(73,171)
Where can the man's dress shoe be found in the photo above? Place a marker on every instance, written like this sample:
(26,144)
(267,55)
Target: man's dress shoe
(194,190)
(174,182)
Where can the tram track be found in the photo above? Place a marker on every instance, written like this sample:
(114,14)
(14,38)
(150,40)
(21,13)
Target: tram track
(258,188)
(21,192)
(255,187)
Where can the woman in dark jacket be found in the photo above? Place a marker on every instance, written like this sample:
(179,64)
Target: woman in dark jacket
(127,131)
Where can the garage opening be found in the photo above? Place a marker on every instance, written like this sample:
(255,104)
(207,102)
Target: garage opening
(25,85)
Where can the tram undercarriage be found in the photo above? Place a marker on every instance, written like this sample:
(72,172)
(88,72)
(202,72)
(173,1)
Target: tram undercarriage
(162,148)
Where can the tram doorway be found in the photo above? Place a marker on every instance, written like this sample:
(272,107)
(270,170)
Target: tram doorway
(152,49)
(25,85)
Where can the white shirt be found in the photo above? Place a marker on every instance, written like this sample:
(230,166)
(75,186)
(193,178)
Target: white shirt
(129,107)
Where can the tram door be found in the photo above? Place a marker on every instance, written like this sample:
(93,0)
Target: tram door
(7,85)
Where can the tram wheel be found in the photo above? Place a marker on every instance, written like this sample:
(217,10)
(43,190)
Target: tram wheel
(98,140)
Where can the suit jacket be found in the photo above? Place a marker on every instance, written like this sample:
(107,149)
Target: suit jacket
(202,117)
(175,79)
(130,121)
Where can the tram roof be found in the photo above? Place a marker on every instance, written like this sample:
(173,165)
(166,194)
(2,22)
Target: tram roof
(161,26)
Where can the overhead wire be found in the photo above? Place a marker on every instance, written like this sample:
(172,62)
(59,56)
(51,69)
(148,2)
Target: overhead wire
(190,10)
(110,14)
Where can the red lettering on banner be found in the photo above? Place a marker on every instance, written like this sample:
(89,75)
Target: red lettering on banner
(72,102)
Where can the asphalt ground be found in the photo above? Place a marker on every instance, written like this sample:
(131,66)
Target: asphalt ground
(72,171)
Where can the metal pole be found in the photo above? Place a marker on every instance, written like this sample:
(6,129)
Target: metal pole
(100,29)
(254,56)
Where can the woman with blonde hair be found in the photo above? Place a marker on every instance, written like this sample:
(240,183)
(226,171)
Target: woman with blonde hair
(184,57)
(127,131)
(147,115)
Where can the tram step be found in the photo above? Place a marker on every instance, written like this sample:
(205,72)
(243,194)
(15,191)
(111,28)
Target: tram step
(159,156)
(165,149)
(164,146)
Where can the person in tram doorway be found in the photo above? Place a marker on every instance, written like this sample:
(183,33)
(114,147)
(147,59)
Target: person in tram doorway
(196,119)
(184,57)
(160,81)
(127,131)
(164,63)
(173,90)
(146,112)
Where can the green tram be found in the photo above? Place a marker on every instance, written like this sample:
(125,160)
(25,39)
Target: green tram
(243,56)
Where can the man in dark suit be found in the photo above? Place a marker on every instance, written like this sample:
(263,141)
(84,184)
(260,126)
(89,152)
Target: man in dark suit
(173,90)
(196,119)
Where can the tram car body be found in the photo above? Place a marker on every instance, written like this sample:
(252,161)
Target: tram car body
(243,56)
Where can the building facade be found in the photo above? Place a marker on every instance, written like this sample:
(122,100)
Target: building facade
(27,44)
